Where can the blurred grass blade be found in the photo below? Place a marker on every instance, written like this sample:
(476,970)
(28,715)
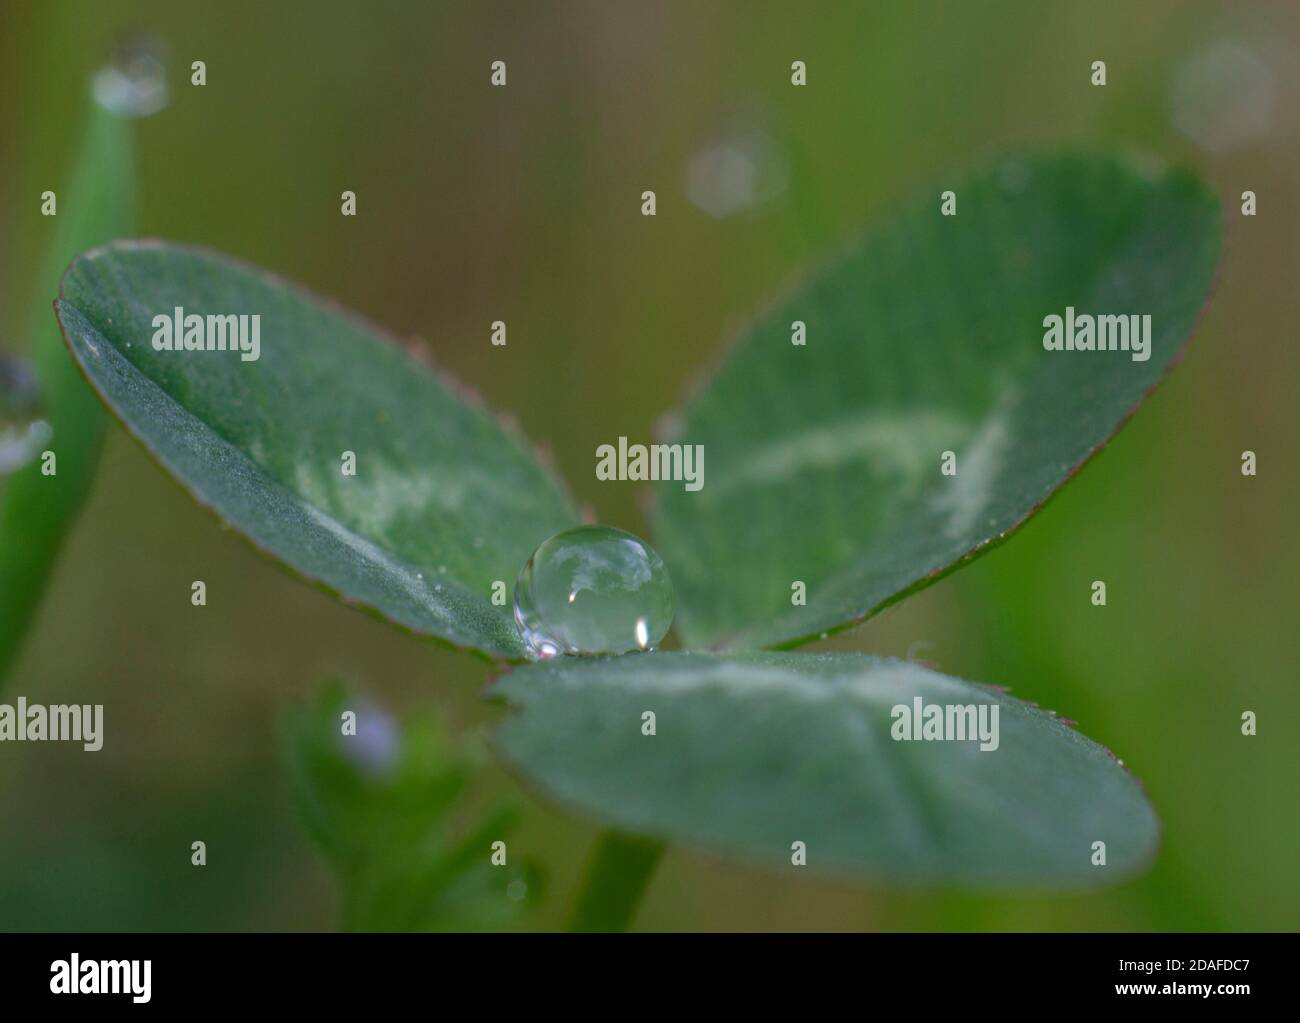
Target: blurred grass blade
(621,868)
(444,502)
(36,512)
(926,336)
(379,806)
(753,752)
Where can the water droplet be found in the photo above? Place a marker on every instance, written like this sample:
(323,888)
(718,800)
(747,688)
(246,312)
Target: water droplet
(135,83)
(1224,97)
(593,590)
(741,170)
(23,434)
(517,890)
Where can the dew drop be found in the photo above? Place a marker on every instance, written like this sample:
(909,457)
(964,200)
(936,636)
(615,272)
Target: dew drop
(593,590)
(1225,97)
(135,83)
(739,171)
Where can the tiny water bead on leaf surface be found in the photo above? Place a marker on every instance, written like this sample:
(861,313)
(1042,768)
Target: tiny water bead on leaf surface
(593,590)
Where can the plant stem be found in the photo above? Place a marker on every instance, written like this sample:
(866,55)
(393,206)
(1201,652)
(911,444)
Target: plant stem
(36,511)
(620,869)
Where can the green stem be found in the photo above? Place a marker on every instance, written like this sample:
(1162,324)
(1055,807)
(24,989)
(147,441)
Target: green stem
(620,869)
(37,511)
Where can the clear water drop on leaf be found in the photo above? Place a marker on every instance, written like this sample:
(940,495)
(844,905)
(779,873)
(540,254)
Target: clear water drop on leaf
(593,590)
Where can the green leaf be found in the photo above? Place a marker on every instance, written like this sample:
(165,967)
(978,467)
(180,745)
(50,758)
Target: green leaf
(379,803)
(37,511)
(925,336)
(444,503)
(755,751)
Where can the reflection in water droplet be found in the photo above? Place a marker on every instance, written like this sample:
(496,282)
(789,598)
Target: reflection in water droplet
(743,169)
(23,434)
(134,84)
(1224,97)
(593,590)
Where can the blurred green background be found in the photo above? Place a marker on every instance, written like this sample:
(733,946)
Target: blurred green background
(522,204)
